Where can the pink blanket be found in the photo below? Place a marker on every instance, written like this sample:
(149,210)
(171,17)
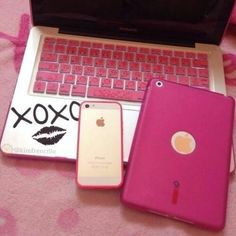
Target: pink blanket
(40,198)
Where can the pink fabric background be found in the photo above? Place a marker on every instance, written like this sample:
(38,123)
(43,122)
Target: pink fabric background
(41,197)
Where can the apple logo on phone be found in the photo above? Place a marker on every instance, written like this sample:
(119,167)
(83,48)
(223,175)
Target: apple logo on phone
(100,122)
(183,142)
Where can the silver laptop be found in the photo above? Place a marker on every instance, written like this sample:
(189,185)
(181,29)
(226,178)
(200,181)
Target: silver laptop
(88,50)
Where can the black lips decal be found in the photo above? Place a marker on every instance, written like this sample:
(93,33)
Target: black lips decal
(49,135)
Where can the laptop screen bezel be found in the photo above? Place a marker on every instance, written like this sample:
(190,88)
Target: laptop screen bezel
(127,32)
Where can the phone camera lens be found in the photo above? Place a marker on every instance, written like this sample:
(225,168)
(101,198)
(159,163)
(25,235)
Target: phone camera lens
(159,84)
(87,105)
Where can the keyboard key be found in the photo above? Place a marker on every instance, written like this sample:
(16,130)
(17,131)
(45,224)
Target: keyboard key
(49,76)
(144,50)
(134,66)
(89,70)
(94,52)
(98,62)
(192,72)
(190,54)
(146,67)
(71,50)
(204,82)
(164,60)
(157,69)
(52,57)
(75,60)
(125,74)
(140,57)
(70,79)
(142,86)
(82,80)
(109,46)
(65,68)
(101,72)
(132,49)
(105,82)
(151,58)
(97,45)
(129,56)
(156,51)
(131,85)
(183,80)
(94,81)
(136,75)
(112,73)
(202,56)
(180,71)
(167,52)
(194,81)
(48,66)
(118,55)
(49,40)
(174,61)
(83,51)
(61,41)
(172,78)
(111,64)
(118,83)
(52,88)
(120,47)
(123,65)
(87,61)
(48,47)
(186,62)
(147,76)
(201,63)
(179,54)
(85,44)
(117,94)
(78,90)
(197,63)
(60,48)
(169,70)
(64,89)
(160,76)
(39,86)
(63,58)
(106,54)
(203,73)
(76,69)
(72,42)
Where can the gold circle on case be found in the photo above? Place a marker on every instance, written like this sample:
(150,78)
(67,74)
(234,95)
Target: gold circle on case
(183,142)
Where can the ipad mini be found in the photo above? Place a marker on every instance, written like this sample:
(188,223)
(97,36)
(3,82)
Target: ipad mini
(100,148)
(180,157)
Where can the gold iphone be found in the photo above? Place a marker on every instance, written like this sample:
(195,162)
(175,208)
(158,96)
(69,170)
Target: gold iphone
(100,147)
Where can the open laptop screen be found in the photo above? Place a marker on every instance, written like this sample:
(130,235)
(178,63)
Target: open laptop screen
(173,21)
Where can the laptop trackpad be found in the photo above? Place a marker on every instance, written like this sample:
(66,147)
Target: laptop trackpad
(130,118)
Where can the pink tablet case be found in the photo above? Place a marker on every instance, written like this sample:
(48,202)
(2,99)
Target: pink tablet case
(191,185)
